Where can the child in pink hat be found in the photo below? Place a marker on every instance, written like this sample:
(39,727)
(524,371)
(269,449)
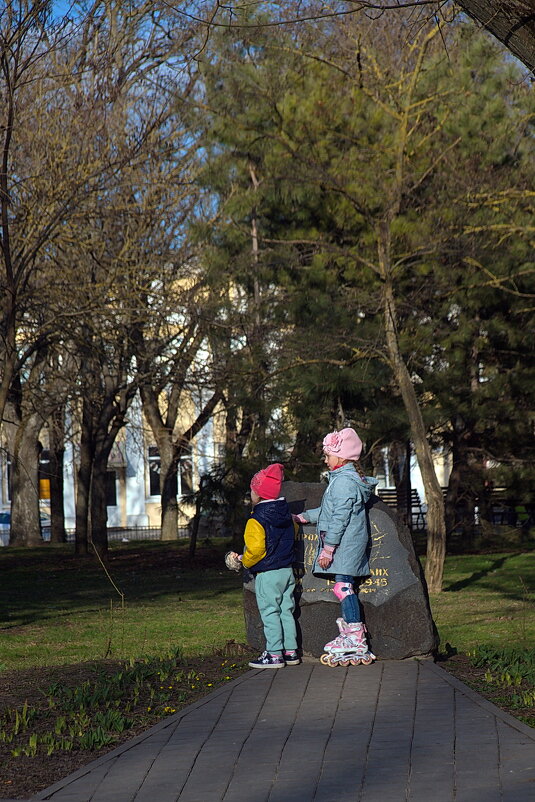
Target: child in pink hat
(343,538)
(269,555)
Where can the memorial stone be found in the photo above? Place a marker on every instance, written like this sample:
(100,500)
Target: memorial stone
(393,597)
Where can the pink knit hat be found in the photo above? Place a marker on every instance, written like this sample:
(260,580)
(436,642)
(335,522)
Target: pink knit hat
(267,482)
(345,444)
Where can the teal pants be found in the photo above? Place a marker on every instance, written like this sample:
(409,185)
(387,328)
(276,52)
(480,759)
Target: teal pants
(275,600)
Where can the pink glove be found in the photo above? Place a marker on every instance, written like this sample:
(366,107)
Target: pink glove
(325,557)
(299,519)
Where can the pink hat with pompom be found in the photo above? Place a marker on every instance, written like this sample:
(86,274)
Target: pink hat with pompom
(345,444)
(267,482)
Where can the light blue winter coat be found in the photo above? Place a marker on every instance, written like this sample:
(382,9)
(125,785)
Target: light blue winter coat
(342,516)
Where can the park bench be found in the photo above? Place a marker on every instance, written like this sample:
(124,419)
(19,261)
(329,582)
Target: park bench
(389,496)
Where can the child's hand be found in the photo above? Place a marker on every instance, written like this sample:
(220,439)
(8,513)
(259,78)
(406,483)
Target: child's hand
(299,519)
(326,556)
(233,560)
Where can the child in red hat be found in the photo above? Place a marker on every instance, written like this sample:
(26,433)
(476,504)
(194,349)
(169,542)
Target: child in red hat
(269,555)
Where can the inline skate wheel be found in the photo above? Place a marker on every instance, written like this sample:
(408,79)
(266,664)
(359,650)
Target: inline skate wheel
(367,661)
(328,660)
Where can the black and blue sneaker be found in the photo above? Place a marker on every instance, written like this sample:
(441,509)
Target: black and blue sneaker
(291,658)
(267,660)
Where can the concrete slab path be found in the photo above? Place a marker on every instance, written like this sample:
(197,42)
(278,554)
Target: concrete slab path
(391,732)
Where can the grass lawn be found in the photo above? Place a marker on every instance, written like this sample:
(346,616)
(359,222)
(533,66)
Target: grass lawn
(58,609)
(487,600)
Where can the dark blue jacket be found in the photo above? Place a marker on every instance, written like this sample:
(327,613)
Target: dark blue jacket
(269,537)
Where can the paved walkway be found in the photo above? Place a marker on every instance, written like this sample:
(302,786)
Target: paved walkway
(392,732)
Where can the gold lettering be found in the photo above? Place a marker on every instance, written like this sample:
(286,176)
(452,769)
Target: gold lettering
(310,554)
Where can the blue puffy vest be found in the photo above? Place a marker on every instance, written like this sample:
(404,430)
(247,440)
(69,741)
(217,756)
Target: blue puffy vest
(278,525)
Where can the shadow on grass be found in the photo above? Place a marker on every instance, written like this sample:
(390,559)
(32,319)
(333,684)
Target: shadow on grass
(46,583)
(477,575)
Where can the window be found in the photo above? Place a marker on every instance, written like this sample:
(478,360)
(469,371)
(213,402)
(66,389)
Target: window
(154,471)
(186,474)
(7,495)
(111,488)
(184,478)
(44,475)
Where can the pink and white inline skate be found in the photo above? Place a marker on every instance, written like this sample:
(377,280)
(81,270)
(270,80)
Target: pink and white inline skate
(349,648)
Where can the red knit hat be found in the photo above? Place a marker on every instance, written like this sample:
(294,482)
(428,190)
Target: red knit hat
(267,482)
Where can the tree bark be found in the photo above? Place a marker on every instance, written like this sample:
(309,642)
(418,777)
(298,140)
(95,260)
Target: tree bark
(196,520)
(452,494)
(8,320)
(512,23)
(99,510)
(466,486)
(169,464)
(169,459)
(57,453)
(436,528)
(83,485)
(399,458)
(25,523)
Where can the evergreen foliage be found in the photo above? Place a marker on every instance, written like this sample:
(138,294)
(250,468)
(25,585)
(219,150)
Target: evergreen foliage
(317,115)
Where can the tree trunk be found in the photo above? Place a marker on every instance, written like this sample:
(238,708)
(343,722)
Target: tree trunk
(466,485)
(236,441)
(452,493)
(196,519)
(399,459)
(9,350)
(436,528)
(99,510)
(485,502)
(83,485)
(169,462)
(231,427)
(512,23)
(9,301)
(57,453)
(25,523)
